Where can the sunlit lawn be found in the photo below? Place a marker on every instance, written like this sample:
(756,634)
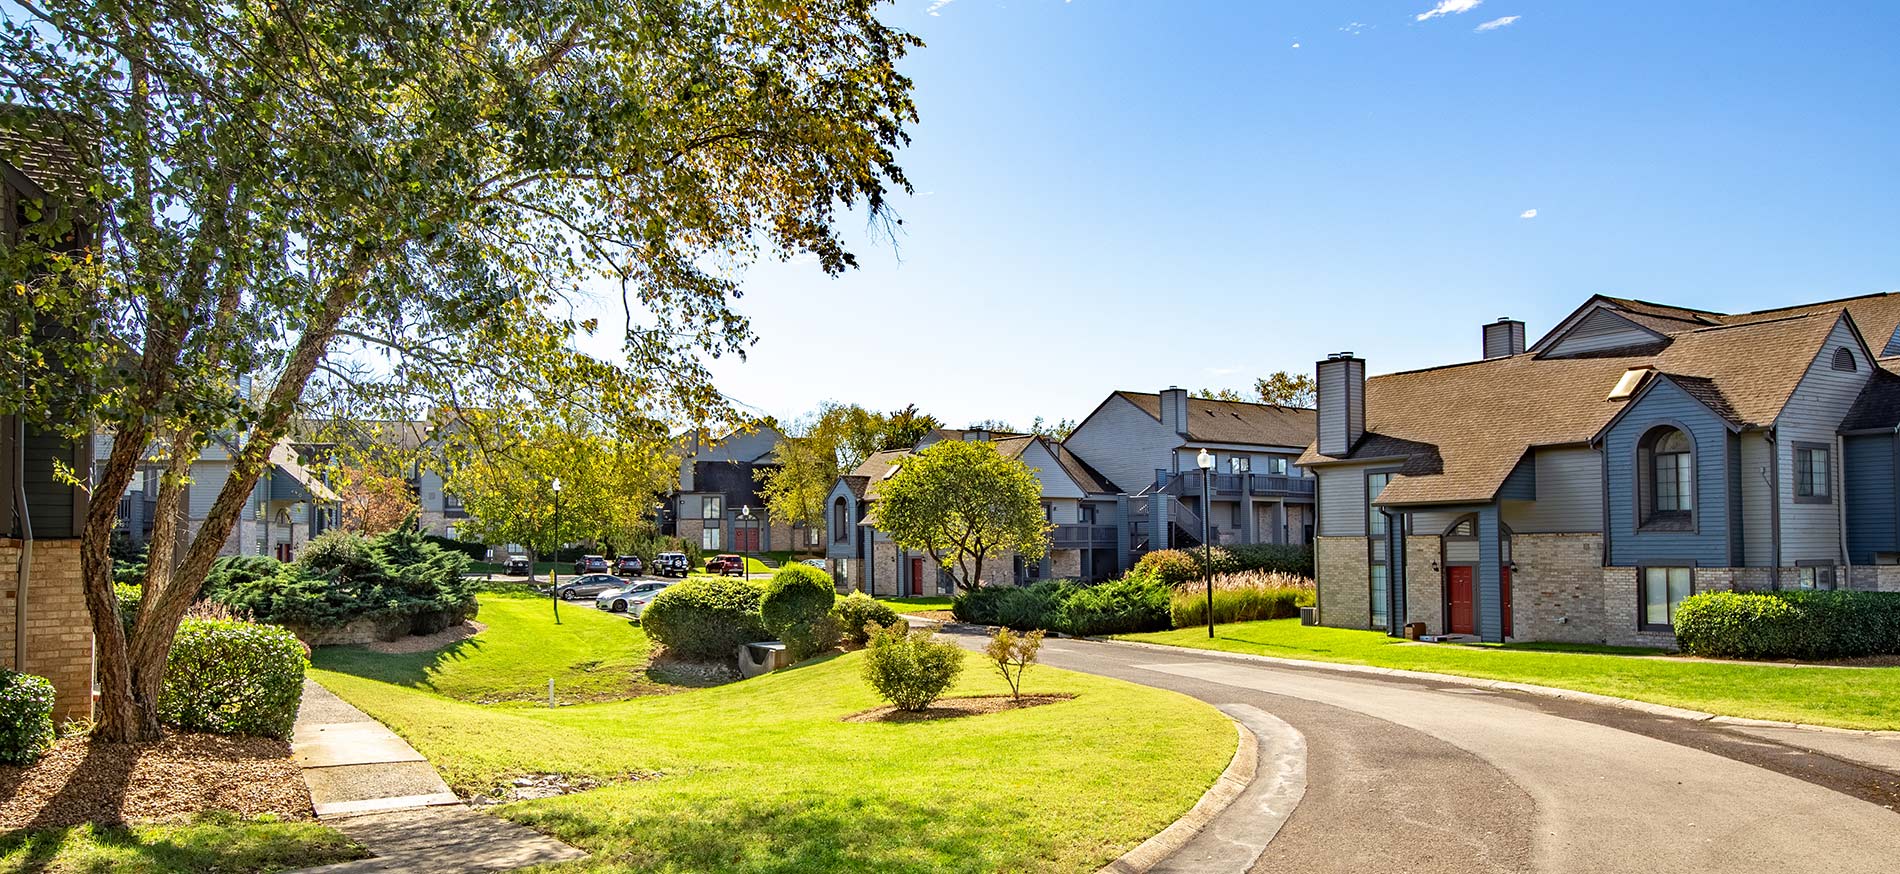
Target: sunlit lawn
(917,605)
(211,842)
(1865,698)
(765,775)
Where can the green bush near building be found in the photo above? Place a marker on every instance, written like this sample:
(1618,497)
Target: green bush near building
(26,717)
(797,607)
(705,618)
(857,610)
(1806,625)
(229,677)
(341,576)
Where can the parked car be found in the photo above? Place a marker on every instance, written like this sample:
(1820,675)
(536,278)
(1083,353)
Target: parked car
(671,564)
(591,564)
(631,599)
(517,565)
(726,565)
(587,585)
(629,565)
(818,563)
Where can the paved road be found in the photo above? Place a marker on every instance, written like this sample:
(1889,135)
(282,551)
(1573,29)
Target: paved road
(1408,775)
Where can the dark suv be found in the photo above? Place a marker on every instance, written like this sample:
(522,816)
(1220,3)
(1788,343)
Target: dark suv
(629,565)
(518,566)
(671,564)
(591,564)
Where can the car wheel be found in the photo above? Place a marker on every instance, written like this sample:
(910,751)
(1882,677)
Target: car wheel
(567,594)
(620,606)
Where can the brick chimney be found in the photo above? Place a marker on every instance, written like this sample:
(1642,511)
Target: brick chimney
(1503,338)
(1174,405)
(1342,402)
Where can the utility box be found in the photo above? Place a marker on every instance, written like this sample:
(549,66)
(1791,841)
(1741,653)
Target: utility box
(1309,615)
(763,657)
(1414,630)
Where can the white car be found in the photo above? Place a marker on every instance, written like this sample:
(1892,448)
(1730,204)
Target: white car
(631,599)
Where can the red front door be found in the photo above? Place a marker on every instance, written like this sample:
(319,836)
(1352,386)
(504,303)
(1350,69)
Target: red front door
(745,539)
(1504,578)
(916,577)
(1463,618)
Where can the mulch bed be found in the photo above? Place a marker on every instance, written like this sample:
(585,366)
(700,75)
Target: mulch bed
(953,708)
(938,615)
(79,781)
(428,642)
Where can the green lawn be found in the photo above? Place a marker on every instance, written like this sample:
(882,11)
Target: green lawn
(764,775)
(211,842)
(591,656)
(1864,698)
(914,605)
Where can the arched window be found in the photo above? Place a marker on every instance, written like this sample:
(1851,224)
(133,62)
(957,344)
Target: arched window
(1666,479)
(840,520)
(1844,359)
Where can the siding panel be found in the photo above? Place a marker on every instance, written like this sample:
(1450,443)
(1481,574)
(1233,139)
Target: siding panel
(1599,331)
(1758,547)
(1708,544)
(1869,471)
(1811,532)
(1569,494)
(1124,444)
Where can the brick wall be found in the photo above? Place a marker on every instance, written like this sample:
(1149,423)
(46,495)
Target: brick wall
(1875,578)
(1557,591)
(1065,563)
(1345,598)
(58,626)
(689,530)
(1424,586)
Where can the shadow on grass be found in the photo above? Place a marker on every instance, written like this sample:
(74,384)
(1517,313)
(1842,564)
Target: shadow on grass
(213,841)
(804,831)
(409,670)
(1577,648)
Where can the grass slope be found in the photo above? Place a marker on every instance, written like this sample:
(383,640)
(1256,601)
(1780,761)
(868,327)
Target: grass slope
(765,776)
(211,842)
(916,605)
(591,656)
(1861,698)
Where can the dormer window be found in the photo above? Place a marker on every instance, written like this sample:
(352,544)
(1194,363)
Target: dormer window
(1844,360)
(1666,480)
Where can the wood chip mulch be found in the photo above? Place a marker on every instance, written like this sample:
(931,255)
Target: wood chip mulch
(952,708)
(79,781)
(428,642)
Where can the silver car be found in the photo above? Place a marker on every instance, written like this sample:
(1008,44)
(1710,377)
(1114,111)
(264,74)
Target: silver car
(631,599)
(591,584)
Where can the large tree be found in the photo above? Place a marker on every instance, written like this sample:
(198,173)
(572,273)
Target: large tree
(963,503)
(392,193)
(827,444)
(1281,388)
(374,502)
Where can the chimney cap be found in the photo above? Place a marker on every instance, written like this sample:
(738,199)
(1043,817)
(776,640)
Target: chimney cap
(1503,319)
(1338,355)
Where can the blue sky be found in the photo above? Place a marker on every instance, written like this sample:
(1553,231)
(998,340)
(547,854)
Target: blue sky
(1122,195)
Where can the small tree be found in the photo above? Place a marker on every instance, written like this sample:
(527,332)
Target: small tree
(1013,654)
(962,502)
(374,502)
(908,667)
(1286,389)
(827,444)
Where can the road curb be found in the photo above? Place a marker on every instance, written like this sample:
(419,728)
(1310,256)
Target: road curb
(1240,773)
(1507,686)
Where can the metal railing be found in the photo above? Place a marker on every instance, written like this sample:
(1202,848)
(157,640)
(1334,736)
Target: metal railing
(1082,536)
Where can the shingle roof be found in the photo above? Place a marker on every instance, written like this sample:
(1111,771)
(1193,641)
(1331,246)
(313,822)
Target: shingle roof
(1091,480)
(44,150)
(1463,427)
(856,484)
(1215,421)
(873,469)
(1878,406)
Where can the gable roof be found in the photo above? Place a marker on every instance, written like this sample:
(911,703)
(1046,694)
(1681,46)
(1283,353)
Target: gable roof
(1214,421)
(1878,407)
(863,480)
(1462,428)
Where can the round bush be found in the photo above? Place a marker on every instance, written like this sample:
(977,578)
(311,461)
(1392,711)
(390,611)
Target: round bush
(229,677)
(1784,625)
(26,717)
(859,610)
(797,607)
(908,668)
(705,618)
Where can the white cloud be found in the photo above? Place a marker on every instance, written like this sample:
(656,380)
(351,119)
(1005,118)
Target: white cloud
(1354,28)
(1496,23)
(1449,7)
(1296,45)
(1527,214)
(938,4)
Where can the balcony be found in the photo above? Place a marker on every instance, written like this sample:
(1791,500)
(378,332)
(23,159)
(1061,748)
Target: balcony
(1268,485)
(1082,537)
(1259,485)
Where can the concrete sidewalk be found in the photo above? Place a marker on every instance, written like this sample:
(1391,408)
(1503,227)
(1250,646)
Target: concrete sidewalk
(371,785)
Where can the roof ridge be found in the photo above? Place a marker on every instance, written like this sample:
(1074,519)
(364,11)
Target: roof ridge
(1791,317)
(1822,303)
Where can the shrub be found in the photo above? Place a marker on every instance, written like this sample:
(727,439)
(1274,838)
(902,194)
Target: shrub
(341,576)
(1032,606)
(1244,597)
(130,599)
(1285,558)
(26,717)
(1780,625)
(475,551)
(234,571)
(858,610)
(1169,566)
(1131,604)
(797,608)
(978,607)
(908,668)
(1013,654)
(233,678)
(705,618)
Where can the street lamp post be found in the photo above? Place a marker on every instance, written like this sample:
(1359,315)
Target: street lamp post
(1205,461)
(745,514)
(554,573)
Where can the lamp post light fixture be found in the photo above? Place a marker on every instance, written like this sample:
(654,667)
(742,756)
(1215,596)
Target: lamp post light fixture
(554,573)
(745,515)
(1205,460)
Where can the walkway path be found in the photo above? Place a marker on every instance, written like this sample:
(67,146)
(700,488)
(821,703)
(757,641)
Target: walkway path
(369,784)
(1413,775)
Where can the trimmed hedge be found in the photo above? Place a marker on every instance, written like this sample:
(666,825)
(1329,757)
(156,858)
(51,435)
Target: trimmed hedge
(706,618)
(26,717)
(1131,604)
(230,677)
(1807,625)
(341,576)
(797,608)
(858,610)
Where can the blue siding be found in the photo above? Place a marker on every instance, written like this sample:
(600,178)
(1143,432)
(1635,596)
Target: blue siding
(1521,485)
(1870,497)
(1708,545)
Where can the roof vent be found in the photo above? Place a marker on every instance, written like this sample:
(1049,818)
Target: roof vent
(1337,355)
(1631,381)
